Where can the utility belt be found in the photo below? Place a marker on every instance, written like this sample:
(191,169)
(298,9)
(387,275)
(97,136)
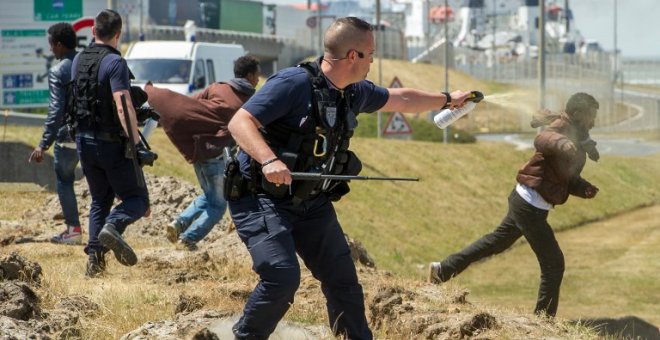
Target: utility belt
(100,135)
(236,185)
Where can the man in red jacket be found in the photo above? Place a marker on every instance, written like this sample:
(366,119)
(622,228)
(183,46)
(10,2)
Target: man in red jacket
(197,126)
(546,180)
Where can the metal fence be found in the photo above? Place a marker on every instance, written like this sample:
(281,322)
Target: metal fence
(620,110)
(642,71)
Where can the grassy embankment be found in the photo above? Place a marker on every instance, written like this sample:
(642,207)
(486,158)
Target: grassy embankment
(462,195)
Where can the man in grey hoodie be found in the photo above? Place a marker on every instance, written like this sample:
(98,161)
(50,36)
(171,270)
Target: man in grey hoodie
(197,126)
(62,40)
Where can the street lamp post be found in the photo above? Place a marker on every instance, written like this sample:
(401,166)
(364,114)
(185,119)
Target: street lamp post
(318,22)
(379,42)
(445,132)
(541,54)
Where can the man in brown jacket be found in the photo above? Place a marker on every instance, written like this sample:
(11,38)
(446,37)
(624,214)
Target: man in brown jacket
(197,126)
(546,180)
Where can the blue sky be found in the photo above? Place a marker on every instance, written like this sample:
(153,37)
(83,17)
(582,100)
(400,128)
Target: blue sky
(638,23)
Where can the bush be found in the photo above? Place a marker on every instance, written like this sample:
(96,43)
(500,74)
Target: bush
(423,130)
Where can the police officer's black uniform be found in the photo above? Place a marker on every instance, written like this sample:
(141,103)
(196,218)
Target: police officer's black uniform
(278,222)
(101,146)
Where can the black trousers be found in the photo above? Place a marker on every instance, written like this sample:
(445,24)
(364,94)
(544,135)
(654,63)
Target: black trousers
(109,174)
(275,231)
(523,219)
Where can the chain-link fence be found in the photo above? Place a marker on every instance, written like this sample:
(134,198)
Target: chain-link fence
(569,73)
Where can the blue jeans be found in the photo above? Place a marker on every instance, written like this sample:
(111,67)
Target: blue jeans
(66,160)
(274,231)
(209,207)
(109,173)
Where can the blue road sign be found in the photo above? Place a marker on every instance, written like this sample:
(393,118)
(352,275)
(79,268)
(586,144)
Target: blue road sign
(17,81)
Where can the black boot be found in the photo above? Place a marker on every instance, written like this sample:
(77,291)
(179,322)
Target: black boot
(111,239)
(95,265)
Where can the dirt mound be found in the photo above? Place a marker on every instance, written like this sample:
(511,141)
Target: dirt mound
(214,324)
(20,310)
(168,197)
(15,267)
(18,301)
(186,326)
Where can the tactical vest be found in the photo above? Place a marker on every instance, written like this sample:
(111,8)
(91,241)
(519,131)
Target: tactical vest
(93,104)
(320,145)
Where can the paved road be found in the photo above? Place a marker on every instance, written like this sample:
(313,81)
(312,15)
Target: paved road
(606,146)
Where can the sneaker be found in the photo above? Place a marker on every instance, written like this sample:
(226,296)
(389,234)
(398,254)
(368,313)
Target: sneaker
(187,244)
(174,229)
(72,235)
(434,273)
(95,265)
(111,239)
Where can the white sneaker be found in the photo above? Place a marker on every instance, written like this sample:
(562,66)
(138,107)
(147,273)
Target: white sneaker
(434,273)
(173,230)
(72,235)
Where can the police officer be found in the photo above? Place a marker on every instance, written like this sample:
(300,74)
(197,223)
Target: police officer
(100,77)
(302,120)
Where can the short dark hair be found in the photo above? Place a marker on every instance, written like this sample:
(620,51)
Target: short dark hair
(245,65)
(107,24)
(581,104)
(343,33)
(63,33)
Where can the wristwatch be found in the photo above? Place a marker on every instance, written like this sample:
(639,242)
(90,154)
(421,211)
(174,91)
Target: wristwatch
(448,96)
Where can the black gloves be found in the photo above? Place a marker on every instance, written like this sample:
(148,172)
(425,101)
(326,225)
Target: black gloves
(145,156)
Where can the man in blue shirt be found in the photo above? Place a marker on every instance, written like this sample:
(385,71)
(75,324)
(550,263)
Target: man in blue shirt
(302,120)
(100,77)
(62,41)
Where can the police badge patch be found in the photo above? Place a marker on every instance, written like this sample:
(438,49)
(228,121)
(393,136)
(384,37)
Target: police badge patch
(330,116)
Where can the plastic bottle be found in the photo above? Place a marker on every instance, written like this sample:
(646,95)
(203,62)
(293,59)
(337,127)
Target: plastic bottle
(149,126)
(448,116)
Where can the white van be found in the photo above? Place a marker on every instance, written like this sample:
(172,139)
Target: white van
(185,67)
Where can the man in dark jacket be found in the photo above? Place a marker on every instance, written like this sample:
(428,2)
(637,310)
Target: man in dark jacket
(62,41)
(198,128)
(546,180)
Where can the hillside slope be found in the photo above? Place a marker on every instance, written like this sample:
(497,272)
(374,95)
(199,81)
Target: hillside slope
(403,226)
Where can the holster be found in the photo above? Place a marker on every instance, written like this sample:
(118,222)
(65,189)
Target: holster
(351,165)
(234,185)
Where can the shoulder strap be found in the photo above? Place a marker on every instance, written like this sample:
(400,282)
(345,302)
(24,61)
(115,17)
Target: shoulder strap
(314,73)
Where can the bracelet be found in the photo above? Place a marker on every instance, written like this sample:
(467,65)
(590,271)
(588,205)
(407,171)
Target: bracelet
(269,161)
(448,97)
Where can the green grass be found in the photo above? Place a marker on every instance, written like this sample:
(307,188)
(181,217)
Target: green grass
(611,271)
(463,194)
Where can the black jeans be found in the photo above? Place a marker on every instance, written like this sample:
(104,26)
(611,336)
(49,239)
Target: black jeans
(523,219)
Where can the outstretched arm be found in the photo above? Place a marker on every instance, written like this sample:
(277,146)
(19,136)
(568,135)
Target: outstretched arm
(413,100)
